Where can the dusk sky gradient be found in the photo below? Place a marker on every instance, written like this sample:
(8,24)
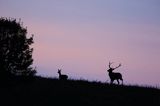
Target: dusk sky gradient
(82,36)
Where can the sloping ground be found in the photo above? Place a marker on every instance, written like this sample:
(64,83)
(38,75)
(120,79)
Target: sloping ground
(52,92)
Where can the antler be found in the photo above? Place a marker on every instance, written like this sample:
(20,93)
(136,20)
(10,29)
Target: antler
(110,64)
(118,66)
(59,69)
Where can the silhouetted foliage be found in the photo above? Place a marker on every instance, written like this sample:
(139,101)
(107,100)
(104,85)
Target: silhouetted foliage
(15,52)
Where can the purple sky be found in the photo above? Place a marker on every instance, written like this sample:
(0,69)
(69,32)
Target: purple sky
(82,36)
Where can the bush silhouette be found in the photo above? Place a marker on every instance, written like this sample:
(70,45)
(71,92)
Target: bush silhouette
(15,52)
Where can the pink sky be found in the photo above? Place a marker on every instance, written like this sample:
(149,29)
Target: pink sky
(81,37)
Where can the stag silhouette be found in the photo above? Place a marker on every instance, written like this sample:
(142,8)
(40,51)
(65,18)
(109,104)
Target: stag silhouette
(114,76)
(61,76)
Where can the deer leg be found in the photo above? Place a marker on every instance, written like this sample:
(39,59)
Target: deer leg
(122,81)
(111,82)
(118,81)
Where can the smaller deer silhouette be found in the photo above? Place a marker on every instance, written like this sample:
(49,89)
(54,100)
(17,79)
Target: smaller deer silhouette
(114,76)
(61,76)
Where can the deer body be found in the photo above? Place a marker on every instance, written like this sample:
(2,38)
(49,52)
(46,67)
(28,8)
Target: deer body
(114,76)
(61,76)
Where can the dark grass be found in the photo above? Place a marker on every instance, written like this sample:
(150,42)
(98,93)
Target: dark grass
(39,91)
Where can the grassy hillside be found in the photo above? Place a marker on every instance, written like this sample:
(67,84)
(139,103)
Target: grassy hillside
(52,92)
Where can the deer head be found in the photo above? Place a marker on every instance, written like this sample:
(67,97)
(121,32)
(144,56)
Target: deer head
(111,69)
(59,71)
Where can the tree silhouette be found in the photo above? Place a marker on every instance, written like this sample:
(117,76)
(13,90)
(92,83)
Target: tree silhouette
(15,52)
